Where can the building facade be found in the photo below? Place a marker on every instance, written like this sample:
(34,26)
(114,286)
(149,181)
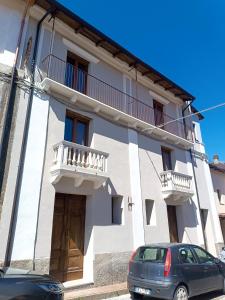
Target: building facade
(107,165)
(217,169)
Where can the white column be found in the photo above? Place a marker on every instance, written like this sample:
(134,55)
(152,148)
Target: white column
(135,182)
(217,232)
(199,238)
(30,188)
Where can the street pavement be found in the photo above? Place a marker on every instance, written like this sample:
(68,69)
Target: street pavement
(211,296)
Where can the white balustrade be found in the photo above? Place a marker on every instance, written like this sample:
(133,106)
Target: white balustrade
(69,154)
(175,181)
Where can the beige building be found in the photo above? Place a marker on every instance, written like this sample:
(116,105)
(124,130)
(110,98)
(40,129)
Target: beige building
(106,166)
(217,169)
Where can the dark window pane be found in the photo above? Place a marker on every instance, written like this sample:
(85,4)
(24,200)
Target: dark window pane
(81,133)
(186,256)
(152,254)
(68,134)
(166,157)
(69,76)
(203,256)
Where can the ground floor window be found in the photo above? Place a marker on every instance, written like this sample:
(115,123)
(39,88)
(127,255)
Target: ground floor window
(117,210)
(150,212)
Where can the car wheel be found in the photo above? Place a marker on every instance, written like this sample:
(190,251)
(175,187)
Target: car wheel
(181,293)
(135,296)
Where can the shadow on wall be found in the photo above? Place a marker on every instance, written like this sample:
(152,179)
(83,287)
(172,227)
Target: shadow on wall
(188,209)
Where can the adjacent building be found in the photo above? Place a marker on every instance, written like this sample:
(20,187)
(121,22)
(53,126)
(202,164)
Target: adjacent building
(217,169)
(109,163)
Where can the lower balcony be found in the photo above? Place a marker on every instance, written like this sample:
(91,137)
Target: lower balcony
(80,163)
(176,187)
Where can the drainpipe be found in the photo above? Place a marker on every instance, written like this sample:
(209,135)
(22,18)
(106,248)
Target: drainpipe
(195,180)
(11,100)
(13,218)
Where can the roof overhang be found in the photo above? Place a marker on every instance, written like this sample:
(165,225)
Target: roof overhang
(101,40)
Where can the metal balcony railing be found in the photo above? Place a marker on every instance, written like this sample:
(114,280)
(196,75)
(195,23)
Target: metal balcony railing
(83,82)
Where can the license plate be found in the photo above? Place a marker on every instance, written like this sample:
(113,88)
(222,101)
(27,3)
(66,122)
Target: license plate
(142,291)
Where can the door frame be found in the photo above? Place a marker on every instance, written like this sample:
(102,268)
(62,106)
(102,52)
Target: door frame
(84,236)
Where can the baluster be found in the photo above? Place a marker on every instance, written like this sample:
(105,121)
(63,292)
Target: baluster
(65,155)
(78,157)
(69,156)
(74,157)
(83,158)
(90,159)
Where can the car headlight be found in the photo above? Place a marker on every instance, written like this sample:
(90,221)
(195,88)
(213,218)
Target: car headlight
(55,288)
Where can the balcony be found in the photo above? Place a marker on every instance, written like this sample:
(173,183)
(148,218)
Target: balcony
(176,187)
(80,163)
(84,89)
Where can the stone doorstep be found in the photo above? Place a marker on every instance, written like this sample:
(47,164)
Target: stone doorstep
(95,293)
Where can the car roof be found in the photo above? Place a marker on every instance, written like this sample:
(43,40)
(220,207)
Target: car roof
(167,245)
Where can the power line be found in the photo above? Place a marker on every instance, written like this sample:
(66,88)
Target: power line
(193,114)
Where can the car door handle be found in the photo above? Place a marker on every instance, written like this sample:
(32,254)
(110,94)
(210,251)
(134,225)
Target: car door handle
(206,269)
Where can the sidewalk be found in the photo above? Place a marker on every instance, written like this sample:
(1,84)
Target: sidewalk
(96,293)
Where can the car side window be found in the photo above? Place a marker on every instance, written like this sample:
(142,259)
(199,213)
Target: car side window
(203,256)
(186,256)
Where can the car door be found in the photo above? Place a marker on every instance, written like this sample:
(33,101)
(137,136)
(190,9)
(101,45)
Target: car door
(189,271)
(212,277)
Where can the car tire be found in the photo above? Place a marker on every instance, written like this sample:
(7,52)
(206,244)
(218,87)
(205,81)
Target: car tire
(181,293)
(135,296)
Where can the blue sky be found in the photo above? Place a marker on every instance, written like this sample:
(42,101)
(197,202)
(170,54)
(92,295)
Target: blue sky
(184,40)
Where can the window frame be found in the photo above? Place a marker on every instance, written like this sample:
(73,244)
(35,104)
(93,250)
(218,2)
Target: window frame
(158,107)
(77,118)
(121,198)
(76,61)
(170,151)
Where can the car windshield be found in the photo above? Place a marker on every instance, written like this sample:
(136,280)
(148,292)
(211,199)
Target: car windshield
(152,254)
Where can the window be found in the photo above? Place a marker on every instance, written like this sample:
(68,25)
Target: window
(203,256)
(76,129)
(150,212)
(76,73)
(158,113)
(186,256)
(166,158)
(117,210)
(152,254)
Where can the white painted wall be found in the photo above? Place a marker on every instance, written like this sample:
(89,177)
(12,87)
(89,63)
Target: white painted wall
(32,175)
(10,21)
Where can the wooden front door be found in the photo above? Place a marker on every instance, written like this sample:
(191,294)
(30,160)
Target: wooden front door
(172,220)
(67,251)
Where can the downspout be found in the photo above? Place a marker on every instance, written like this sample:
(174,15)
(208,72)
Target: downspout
(195,180)
(15,206)
(11,100)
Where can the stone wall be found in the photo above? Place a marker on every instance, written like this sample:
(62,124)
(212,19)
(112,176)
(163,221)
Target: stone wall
(111,268)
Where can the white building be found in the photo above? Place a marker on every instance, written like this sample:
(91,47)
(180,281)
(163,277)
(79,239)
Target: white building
(107,166)
(217,169)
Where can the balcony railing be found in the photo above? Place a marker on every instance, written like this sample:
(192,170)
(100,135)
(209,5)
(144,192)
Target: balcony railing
(77,79)
(176,185)
(79,162)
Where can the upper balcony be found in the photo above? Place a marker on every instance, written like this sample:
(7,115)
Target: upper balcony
(176,187)
(78,86)
(80,163)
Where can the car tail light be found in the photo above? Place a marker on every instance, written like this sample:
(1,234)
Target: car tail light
(132,259)
(167,265)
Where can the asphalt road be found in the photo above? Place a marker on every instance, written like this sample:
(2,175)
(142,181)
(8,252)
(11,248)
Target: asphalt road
(211,296)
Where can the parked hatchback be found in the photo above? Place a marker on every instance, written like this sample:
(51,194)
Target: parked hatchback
(174,271)
(25,285)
